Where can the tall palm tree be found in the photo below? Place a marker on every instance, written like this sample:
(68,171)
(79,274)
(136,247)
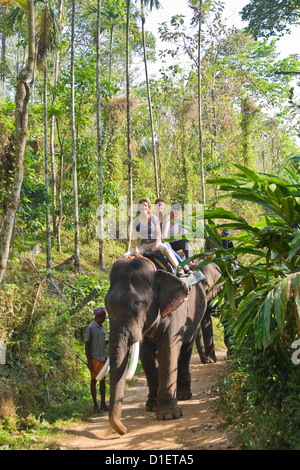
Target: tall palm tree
(23,92)
(43,35)
(150,4)
(55,219)
(99,144)
(73,134)
(197,6)
(130,181)
(3,58)
(112,14)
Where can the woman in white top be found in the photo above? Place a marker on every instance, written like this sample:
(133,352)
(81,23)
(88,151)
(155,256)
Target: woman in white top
(147,233)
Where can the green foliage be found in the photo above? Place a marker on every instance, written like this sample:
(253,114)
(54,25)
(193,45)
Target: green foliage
(260,398)
(43,380)
(270,17)
(260,305)
(266,288)
(260,300)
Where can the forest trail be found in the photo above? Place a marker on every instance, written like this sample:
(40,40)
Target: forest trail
(200,428)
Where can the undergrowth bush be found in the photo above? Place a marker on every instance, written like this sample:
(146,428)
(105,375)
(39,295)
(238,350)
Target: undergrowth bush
(43,376)
(260,303)
(260,396)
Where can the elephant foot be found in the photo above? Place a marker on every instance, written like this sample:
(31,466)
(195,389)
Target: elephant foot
(151,404)
(208,359)
(170,412)
(184,395)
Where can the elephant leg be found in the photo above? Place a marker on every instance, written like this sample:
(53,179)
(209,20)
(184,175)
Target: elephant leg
(200,345)
(167,407)
(208,339)
(148,355)
(184,377)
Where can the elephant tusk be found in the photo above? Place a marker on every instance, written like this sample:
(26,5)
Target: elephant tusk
(104,370)
(133,360)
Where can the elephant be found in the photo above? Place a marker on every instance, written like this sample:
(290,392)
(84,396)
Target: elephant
(159,310)
(204,338)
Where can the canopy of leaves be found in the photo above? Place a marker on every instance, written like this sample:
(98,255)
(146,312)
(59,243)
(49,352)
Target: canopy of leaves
(271,17)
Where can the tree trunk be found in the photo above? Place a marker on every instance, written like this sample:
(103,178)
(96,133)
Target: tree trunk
(3,59)
(110,52)
(22,98)
(51,148)
(130,186)
(51,142)
(99,145)
(200,108)
(73,132)
(59,189)
(149,104)
(48,217)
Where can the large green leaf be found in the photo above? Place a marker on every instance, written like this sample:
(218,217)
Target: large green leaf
(251,175)
(295,246)
(220,213)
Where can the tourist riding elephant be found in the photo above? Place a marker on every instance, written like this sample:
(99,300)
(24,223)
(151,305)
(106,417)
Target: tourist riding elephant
(204,339)
(158,310)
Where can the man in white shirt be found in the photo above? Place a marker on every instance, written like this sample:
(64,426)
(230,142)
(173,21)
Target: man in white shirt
(95,350)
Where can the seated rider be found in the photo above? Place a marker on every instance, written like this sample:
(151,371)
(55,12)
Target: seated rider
(160,212)
(173,228)
(146,227)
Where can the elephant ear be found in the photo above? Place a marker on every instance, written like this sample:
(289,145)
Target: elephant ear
(172,292)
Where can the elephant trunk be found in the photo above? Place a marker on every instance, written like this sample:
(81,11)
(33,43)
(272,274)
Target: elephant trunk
(115,410)
(118,364)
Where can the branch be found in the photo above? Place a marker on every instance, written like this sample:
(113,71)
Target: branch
(287,73)
(85,301)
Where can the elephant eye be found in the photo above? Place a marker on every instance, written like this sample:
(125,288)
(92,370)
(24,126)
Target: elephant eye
(139,303)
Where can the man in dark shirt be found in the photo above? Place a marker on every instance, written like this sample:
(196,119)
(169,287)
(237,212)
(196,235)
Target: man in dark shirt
(95,342)
(226,243)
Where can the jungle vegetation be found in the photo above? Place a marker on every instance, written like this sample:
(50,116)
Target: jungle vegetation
(85,125)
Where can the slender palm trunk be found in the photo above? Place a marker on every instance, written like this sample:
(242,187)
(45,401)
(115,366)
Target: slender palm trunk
(130,183)
(200,109)
(51,148)
(23,92)
(99,145)
(110,51)
(149,103)
(74,159)
(3,59)
(53,173)
(47,186)
(59,188)
(51,139)
(46,160)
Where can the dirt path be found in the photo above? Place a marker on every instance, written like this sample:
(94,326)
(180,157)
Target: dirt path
(201,427)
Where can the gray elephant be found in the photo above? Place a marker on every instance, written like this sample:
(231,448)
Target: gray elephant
(158,310)
(204,338)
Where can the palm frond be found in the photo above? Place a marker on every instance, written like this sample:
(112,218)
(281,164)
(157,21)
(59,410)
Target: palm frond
(22,4)
(46,32)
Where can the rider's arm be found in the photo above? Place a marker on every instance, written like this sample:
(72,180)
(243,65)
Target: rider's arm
(158,237)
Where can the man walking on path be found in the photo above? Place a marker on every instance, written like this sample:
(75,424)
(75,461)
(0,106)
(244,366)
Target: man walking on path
(95,350)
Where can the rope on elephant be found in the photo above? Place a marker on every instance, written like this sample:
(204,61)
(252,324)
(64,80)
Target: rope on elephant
(144,257)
